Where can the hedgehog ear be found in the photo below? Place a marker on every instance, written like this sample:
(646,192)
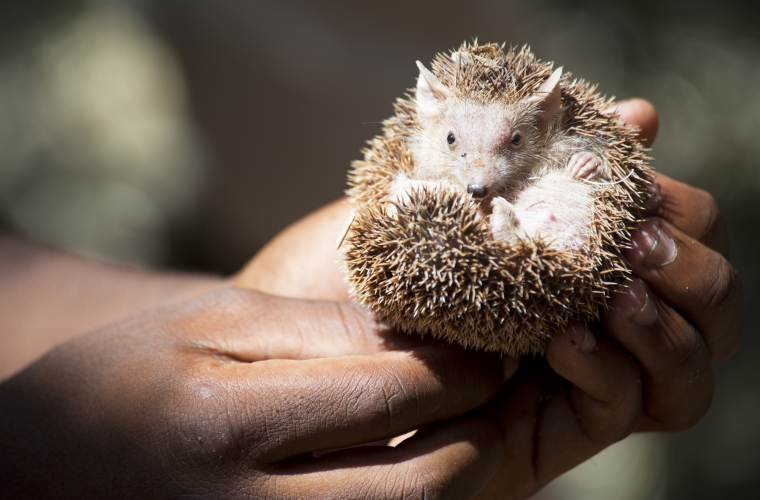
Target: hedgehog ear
(549,97)
(430,92)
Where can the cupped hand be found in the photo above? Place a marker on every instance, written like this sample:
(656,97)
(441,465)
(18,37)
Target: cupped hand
(681,312)
(684,309)
(646,367)
(232,395)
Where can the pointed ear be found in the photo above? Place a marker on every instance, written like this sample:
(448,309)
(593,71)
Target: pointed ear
(549,97)
(430,92)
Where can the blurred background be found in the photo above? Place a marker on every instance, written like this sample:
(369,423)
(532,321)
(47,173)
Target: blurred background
(185,134)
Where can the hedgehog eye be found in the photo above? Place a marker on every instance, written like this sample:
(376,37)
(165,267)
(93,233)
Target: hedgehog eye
(450,138)
(517,140)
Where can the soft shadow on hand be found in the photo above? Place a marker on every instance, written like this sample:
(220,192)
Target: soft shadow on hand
(645,367)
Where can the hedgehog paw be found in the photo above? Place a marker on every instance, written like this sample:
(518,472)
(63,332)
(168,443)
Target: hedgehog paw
(502,219)
(585,165)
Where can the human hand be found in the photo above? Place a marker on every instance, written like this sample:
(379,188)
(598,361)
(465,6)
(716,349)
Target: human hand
(571,421)
(682,312)
(229,394)
(684,309)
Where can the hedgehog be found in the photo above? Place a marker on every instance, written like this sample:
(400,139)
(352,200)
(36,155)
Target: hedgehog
(494,207)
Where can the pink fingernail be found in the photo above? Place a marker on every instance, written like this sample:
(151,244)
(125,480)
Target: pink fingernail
(647,312)
(653,246)
(588,343)
(664,250)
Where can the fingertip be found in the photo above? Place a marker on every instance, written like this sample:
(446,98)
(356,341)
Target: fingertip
(567,352)
(639,112)
(593,363)
(576,336)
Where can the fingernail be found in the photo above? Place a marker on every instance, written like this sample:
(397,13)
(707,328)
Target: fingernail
(653,246)
(647,311)
(588,342)
(509,366)
(663,250)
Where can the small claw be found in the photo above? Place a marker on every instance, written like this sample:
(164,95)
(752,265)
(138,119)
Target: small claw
(585,165)
(502,219)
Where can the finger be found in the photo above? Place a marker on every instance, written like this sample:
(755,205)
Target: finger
(606,391)
(553,423)
(311,269)
(697,281)
(454,459)
(641,113)
(250,326)
(675,363)
(693,211)
(337,402)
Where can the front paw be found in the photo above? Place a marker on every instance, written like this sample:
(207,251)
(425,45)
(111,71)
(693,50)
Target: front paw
(585,165)
(502,219)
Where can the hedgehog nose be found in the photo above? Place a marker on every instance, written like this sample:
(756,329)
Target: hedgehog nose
(477,191)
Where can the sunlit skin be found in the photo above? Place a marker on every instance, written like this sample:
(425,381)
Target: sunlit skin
(230,392)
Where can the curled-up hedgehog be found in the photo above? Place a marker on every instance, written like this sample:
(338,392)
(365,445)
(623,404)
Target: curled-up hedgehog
(494,207)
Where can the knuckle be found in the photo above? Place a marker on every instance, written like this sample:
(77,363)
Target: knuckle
(681,349)
(711,212)
(400,399)
(200,421)
(615,417)
(202,403)
(680,391)
(687,347)
(609,422)
(692,418)
(355,321)
(722,299)
(232,300)
(732,336)
(684,415)
(721,286)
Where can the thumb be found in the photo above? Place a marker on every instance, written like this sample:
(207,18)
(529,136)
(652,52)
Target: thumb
(641,113)
(252,326)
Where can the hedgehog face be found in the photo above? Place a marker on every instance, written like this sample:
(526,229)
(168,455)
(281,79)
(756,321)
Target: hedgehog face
(485,148)
(454,145)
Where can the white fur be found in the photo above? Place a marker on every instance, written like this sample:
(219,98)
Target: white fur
(538,188)
(556,208)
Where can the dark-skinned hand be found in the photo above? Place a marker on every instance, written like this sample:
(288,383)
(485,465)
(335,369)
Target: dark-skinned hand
(647,366)
(239,394)
(232,394)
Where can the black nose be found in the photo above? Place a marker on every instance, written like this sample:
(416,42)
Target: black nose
(477,191)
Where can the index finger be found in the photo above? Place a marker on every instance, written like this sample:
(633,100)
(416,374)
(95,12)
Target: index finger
(326,403)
